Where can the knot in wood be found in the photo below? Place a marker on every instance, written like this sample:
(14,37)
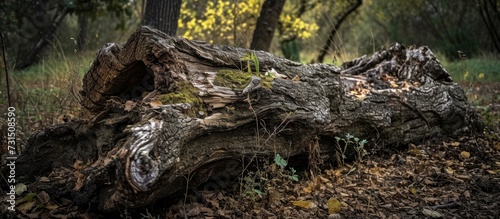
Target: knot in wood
(142,170)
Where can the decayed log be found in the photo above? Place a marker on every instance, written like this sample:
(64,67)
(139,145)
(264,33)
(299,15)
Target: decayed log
(161,108)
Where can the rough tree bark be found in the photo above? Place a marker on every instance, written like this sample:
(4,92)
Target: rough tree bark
(83,25)
(489,20)
(163,15)
(162,108)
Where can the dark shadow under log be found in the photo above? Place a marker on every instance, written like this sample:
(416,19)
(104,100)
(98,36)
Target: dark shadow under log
(161,108)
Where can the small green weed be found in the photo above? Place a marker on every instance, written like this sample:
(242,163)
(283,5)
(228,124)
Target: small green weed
(358,146)
(44,93)
(251,57)
(149,215)
(268,179)
(278,160)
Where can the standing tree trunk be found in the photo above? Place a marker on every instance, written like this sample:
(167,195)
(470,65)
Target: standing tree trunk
(164,109)
(163,15)
(492,22)
(83,24)
(266,24)
(340,19)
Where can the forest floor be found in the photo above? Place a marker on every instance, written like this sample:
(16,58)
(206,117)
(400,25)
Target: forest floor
(438,178)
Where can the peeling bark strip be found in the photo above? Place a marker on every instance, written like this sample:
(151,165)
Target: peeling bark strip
(164,107)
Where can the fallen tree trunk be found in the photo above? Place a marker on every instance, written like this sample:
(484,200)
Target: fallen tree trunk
(163,109)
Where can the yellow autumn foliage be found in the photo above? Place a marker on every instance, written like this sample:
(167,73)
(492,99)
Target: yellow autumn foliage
(233,22)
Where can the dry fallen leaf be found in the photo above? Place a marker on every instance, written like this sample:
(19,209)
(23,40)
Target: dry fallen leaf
(275,197)
(78,164)
(389,205)
(302,204)
(129,105)
(334,216)
(79,180)
(308,189)
(44,197)
(343,194)
(431,213)
(464,154)
(51,206)
(449,171)
(28,205)
(155,103)
(413,191)
(296,78)
(467,194)
(44,179)
(493,172)
(413,150)
(497,146)
(333,206)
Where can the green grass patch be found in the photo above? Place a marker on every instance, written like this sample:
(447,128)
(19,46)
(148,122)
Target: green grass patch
(44,93)
(480,69)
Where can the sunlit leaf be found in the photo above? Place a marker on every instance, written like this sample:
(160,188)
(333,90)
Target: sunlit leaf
(153,103)
(79,180)
(414,152)
(333,206)
(493,172)
(26,198)
(20,188)
(413,191)
(302,204)
(255,61)
(449,170)
(44,179)
(464,154)
(308,189)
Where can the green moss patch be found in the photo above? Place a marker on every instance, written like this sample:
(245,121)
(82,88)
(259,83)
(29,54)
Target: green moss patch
(184,92)
(266,81)
(237,79)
